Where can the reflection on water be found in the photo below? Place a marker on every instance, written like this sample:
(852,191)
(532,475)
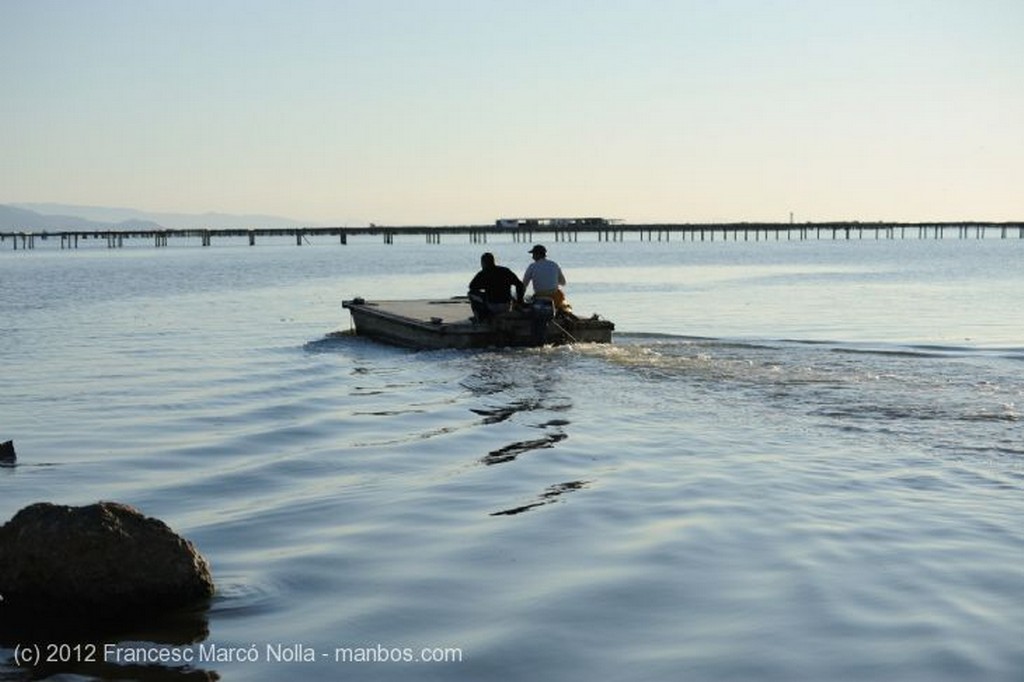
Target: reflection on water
(547,497)
(509,452)
(494,415)
(520,384)
(108,649)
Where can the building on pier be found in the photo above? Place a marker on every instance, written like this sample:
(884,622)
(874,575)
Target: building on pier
(552,222)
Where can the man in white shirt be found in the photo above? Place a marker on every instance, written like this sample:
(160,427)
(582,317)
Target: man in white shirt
(545,275)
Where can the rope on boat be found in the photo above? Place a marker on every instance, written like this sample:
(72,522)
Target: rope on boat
(565,331)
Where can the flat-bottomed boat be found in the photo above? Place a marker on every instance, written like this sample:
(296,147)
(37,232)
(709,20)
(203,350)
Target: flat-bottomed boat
(449,323)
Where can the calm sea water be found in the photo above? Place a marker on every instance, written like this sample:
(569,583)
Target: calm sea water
(798,460)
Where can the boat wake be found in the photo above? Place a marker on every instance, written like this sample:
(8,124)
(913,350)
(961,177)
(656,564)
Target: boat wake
(951,399)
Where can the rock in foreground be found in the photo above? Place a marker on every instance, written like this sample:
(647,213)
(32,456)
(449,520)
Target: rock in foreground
(7,454)
(102,560)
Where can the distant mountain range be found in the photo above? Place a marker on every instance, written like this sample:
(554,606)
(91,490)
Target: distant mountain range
(70,218)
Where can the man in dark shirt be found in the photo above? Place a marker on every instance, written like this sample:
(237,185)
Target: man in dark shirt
(490,290)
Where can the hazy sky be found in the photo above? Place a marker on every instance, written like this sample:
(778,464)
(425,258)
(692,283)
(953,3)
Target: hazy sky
(461,111)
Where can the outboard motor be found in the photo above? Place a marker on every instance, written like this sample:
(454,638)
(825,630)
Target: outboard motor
(542,311)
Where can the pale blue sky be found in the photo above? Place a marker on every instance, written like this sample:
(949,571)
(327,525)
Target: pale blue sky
(453,112)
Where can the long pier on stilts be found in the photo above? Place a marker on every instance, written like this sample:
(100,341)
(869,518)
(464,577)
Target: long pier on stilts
(524,231)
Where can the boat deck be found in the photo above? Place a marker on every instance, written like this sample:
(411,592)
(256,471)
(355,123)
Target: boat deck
(440,311)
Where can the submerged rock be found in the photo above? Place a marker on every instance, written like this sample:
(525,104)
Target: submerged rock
(7,455)
(101,560)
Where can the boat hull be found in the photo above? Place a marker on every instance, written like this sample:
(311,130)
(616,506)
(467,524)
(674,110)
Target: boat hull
(447,323)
